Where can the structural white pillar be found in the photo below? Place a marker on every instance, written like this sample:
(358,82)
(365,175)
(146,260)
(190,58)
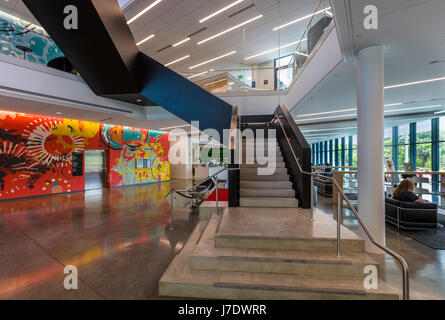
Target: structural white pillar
(370,132)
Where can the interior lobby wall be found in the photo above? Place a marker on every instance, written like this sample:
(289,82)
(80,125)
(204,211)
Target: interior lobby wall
(42,155)
(181,148)
(264,76)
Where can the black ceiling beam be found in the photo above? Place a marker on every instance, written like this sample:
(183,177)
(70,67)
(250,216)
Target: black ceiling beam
(105,54)
(102,49)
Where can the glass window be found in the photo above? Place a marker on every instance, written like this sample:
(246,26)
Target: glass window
(339,151)
(403,145)
(388,144)
(442,144)
(354,150)
(423,131)
(424,145)
(284,72)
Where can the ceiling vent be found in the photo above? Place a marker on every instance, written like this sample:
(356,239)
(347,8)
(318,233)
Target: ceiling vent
(195,33)
(165,48)
(242,10)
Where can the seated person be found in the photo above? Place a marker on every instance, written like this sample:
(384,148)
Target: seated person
(328,170)
(404,192)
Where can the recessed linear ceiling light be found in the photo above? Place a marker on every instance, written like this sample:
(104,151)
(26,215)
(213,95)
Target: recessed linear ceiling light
(230,29)
(386,111)
(415,108)
(145,40)
(197,75)
(315,135)
(332,129)
(413,83)
(177,60)
(220,11)
(214,82)
(301,19)
(211,60)
(201,74)
(331,117)
(181,42)
(275,49)
(143,11)
(327,112)
(393,104)
(343,110)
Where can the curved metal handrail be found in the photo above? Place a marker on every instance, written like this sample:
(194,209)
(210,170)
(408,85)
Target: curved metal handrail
(392,253)
(192,191)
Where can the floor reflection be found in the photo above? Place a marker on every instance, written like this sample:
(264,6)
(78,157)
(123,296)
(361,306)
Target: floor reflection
(119,239)
(427,266)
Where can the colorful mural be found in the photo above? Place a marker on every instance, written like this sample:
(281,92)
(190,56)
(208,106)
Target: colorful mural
(36,154)
(22,39)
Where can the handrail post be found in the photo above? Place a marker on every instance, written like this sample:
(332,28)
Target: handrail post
(342,196)
(216,190)
(171,210)
(405,285)
(312,198)
(339,199)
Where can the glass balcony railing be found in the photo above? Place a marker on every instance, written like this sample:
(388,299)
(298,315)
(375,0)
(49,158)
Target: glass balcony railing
(275,75)
(24,40)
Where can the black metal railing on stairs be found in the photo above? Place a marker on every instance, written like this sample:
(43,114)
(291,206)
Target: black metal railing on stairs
(297,142)
(282,122)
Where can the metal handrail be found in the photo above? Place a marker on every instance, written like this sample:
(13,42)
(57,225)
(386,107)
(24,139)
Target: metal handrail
(191,190)
(392,253)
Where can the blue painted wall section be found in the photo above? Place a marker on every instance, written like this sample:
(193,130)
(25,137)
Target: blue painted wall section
(182,97)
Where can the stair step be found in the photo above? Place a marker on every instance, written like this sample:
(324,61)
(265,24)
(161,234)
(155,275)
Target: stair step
(206,256)
(265,140)
(277,164)
(180,280)
(273,177)
(268,202)
(266,146)
(255,171)
(266,185)
(271,158)
(283,229)
(253,153)
(271,193)
(286,243)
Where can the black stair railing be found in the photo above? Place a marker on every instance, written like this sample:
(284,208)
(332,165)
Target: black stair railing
(301,182)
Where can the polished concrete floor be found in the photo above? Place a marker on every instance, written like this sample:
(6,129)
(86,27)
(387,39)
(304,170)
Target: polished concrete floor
(121,243)
(119,239)
(427,266)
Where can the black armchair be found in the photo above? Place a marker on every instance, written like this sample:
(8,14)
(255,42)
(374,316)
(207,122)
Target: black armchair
(411,215)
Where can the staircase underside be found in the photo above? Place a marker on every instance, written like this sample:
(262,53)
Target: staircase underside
(270,253)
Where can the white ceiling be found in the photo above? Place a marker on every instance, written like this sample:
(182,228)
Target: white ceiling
(173,20)
(412,32)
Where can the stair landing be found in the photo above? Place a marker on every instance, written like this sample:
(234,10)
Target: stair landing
(204,269)
(286,223)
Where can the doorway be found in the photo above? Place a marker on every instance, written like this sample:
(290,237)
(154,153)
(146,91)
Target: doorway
(95,168)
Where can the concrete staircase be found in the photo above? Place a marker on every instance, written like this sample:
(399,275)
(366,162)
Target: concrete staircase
(249,253)
(273,191)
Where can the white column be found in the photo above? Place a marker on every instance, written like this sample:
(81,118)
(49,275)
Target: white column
(370,131)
